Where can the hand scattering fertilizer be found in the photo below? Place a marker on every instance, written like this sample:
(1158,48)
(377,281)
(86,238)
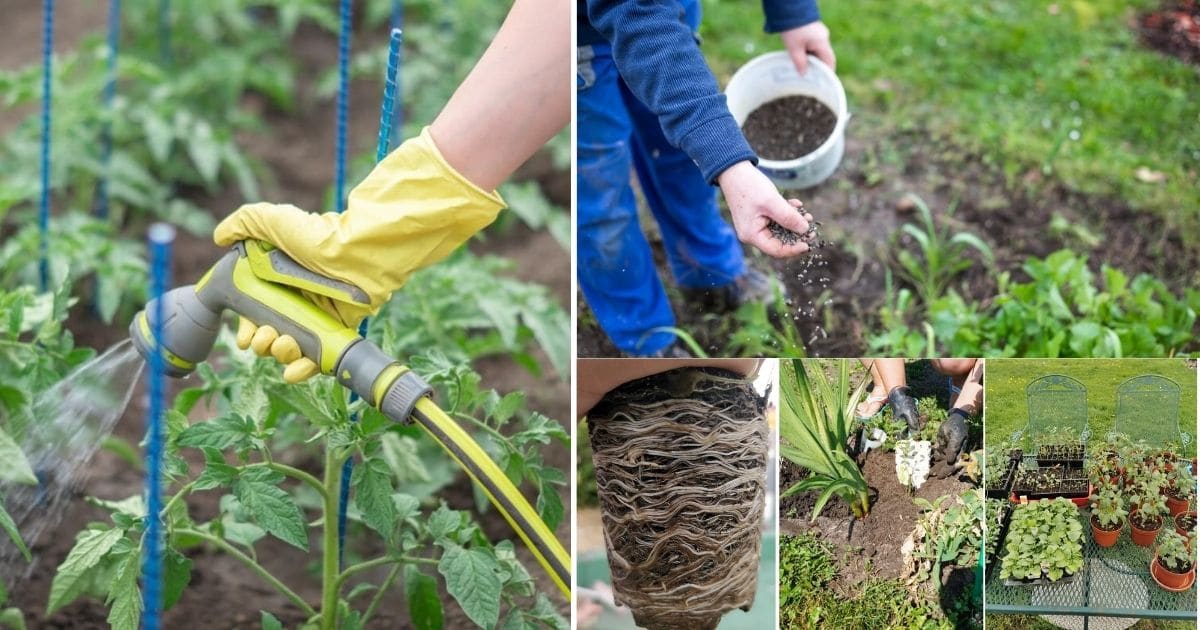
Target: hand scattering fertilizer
(263,284)
(680,461)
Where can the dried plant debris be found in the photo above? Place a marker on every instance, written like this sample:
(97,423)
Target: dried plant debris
(680,460)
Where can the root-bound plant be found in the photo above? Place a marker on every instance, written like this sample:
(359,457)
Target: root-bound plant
(680,463)
(815,418)
(912,463)
(1044,542)
(1108,516)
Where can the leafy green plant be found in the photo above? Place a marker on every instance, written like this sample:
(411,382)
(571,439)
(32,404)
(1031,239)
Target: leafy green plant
(1182,485)
(1175,553)
(243,459)
(1044,541)
(1063,310)
(1150,510)
(1108,509)
(948,532)
(943,253)
(815,417)
(996,510)
(757,334)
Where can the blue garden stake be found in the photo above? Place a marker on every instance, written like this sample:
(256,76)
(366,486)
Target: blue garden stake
(397,112)
(44,209)
(161,237)
(339,201)
(164,30)
(110,91)
(381,151)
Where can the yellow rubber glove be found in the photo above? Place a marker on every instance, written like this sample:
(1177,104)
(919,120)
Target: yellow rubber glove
(411,211)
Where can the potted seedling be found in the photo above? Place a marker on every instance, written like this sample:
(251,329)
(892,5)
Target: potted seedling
(1106,470)
(1174,567)
(1044,544)
(1185,523)
(1180,490)
(1060,449)
(1147,520)
(1000,468)
(1108,517)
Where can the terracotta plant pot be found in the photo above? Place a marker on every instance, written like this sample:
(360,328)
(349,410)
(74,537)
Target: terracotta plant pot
(1182,531)
(1104,537)
(1177,506)
(1143,537)
(1167,578)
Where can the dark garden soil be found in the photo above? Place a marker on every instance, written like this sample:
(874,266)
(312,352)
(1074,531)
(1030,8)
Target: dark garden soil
(870,547)
(1173,29)
(297,149)
(789,128)
(837,292)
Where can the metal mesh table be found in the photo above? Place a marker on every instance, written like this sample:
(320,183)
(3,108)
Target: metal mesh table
(1114,582)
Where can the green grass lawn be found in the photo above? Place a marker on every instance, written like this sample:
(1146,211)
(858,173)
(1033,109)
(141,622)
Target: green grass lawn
(1006,409)
(1067,92)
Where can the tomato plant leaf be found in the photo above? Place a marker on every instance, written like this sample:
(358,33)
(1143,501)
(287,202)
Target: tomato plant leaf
(443,522)
(514,576)
(372,482)
(220,433)
(13,465)
(549,505)
(471,579)
(123,595)
(10,528)
(273,509)
(424,604)
(544,611)
(270,622)
(216,472)
(71,578)
(177,576)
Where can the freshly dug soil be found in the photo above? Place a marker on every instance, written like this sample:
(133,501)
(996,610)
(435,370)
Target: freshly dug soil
(680,461)
(789,128)
(872,544)
(1174,29)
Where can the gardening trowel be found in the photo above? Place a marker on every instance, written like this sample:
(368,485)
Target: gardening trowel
(264,285)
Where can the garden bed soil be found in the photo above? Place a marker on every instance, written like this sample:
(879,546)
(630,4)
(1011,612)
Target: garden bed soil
(222,591)
(1173,29)
(836,293)
(870,546)
(789,128)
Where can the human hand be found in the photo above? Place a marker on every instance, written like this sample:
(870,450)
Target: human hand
(754,203)
(596,377)
(410,212)
(810,38)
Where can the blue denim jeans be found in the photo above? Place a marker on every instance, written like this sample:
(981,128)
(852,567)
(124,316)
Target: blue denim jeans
(617,134)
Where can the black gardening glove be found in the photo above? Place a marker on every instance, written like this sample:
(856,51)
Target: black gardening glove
(904,407)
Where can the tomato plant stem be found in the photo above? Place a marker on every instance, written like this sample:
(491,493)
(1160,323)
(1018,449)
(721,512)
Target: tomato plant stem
(330,582)
(254,566)
(383,588)
(377,562)
(294,473)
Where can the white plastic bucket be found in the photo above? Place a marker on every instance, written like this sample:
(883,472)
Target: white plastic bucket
(771,76)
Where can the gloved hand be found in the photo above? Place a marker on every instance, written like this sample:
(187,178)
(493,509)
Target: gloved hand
(905,408)
(411,211)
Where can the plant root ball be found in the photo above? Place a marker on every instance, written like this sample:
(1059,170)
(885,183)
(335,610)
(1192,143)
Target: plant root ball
(680,460)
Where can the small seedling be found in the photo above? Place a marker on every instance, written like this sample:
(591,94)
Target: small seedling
(1108,510)
(1175,553)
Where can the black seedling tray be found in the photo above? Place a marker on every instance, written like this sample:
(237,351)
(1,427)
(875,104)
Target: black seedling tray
(992,559)
(1061,474)
(1066,579)
(1006,482)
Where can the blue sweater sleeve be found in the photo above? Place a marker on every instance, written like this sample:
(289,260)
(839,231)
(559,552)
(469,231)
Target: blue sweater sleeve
(657,57)
(783,15)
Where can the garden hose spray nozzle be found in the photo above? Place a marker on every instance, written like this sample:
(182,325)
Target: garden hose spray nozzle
(263,284)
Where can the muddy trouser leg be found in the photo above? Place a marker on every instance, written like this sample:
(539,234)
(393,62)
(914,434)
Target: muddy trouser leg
(680,461)
(616,267)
